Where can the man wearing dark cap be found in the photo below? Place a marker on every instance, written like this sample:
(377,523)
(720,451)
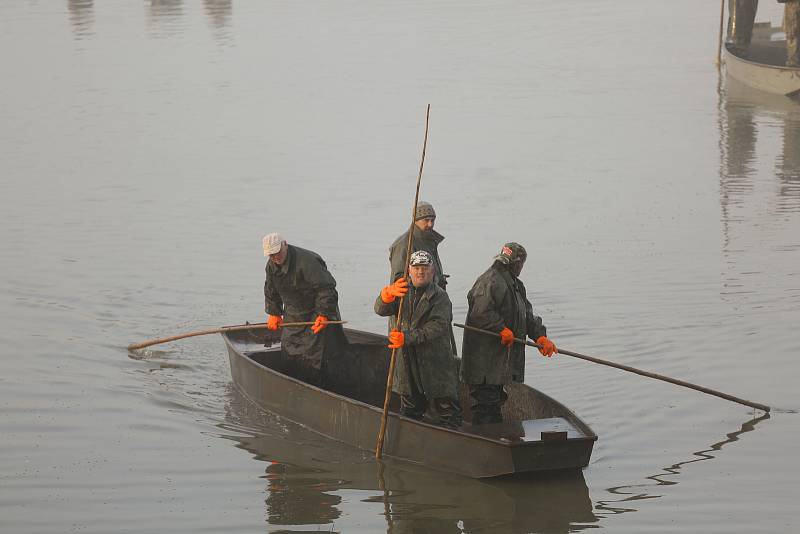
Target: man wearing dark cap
(425,372)
(299,288)
(498,302)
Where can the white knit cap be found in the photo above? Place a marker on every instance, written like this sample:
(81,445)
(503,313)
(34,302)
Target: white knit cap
(272,243)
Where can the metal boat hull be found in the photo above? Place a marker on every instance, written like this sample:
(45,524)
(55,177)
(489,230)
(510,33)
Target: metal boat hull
(350,412)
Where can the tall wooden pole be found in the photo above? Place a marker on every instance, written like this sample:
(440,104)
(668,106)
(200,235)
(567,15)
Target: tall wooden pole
(393,359)
(719,41)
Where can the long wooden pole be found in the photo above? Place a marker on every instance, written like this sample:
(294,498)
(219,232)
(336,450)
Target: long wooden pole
(234,328)
(632,370)
(719,40)
(393,359)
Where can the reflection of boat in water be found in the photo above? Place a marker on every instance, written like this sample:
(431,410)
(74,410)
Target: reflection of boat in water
(310,481)
(763,64)
(538,433)
(759,159)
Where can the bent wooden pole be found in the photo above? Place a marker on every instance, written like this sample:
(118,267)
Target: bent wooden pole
(632,370)
(234,328)
(393,358)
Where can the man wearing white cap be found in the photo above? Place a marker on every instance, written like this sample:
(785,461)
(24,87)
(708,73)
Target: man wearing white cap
(299,288)
(426,373)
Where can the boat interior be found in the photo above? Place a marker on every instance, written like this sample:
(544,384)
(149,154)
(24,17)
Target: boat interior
(360,373)
(768,46)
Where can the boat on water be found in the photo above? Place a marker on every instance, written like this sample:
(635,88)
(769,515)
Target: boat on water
(538,433)
(763,64)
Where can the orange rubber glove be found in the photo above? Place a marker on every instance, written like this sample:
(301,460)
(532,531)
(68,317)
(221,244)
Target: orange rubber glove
(392,291)
(274,322)
(506,337)
(396,339)
(319,323)
(548,347)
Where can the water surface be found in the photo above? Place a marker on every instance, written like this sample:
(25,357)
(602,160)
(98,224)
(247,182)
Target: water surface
(146,147)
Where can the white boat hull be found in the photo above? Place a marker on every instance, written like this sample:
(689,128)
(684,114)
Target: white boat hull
(763,67)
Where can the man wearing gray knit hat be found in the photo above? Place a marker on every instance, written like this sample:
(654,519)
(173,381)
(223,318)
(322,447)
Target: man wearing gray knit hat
(424,237)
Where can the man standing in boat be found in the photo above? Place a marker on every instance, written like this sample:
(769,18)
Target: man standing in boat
(425,372)
(741,18)
(498,302)
(791,25)
(423,237)
(299,288)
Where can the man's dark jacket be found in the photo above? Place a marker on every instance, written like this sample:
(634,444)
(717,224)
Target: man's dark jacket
(301,289)
(497,300)
(426,353)
(420,240)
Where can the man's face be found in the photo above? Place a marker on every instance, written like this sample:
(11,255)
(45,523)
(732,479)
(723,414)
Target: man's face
(425,224)
(516,267)
(421,275)
(279,257)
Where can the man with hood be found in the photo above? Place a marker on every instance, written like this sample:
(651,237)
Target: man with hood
(299,288)
(425,372)
(498,302)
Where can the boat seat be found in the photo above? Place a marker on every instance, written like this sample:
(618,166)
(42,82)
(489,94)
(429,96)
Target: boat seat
(548,429)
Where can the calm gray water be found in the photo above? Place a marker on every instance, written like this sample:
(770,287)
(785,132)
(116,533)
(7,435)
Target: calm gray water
(145,148)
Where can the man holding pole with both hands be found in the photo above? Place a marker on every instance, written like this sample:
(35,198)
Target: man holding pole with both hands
(299,288)
(498,303)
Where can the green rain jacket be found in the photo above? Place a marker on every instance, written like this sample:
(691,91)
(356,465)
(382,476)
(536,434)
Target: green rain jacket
(426,357)
(429,242)
(497,300)
(301,289)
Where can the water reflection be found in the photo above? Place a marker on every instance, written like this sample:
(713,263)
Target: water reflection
(299,497)
(749,117)
(81,16)
(788,164)
(759,176)
(633,492)
(219,12)
(165,17)
(307,477)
